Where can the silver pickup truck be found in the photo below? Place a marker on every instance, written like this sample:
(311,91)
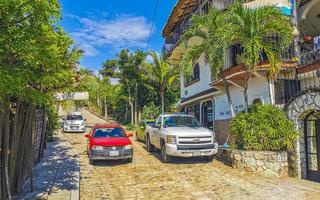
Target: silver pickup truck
(180,135)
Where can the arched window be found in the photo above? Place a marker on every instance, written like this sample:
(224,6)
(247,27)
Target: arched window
(194,77)
(257,101)
(196,72)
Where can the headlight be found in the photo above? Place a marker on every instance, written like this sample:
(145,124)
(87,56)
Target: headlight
(213,136)
(98,148)
(171,139)
(128,146)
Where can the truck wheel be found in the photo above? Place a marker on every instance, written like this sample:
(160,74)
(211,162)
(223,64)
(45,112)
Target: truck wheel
(165,158)
(91,162)
(150,147)
(129,160)
(209,158)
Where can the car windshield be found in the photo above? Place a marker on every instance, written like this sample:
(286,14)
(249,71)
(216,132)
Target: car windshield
(181,121)
(109,132)
(74,117)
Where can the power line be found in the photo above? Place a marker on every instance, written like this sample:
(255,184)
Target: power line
(153,22)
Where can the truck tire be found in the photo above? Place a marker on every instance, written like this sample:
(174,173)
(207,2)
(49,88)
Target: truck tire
(165,158)
(209,158)
(150,147)
(91,162)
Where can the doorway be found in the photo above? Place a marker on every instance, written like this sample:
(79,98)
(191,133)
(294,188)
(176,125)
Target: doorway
(312,145)
(207,114)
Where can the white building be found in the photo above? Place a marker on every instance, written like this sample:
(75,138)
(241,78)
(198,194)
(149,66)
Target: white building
(207,100)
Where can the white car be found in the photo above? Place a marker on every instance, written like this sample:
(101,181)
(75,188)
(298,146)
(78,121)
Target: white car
(181,135)
(74,122)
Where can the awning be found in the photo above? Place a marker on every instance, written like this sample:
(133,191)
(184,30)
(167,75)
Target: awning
(284,5)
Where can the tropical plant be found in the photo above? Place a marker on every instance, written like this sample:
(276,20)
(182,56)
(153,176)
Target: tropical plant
(161,76)
(263,128)
(150,111)
(205,28)
(256,30)
(36,61)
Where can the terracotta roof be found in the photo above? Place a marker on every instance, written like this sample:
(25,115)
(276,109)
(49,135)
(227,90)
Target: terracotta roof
(181,9)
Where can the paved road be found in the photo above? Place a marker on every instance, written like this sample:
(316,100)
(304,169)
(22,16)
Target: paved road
(148,178)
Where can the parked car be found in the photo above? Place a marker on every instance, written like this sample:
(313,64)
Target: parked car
(74,122)
(140,134)
(109,142)
(181,135)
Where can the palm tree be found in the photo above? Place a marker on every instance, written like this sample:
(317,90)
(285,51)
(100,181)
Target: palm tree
(161,75)
(204,27)
(254,29)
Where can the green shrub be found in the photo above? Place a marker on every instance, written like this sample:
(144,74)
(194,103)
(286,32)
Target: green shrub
(263,128)
(150,111)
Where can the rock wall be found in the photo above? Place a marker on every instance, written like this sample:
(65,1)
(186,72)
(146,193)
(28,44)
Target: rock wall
(266,163)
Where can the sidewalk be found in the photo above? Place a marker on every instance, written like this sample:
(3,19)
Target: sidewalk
(57,176)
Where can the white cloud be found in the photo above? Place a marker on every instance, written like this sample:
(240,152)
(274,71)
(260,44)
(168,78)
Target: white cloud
(124,31)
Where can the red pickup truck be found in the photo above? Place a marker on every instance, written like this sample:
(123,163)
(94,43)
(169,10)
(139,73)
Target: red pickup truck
(109,142)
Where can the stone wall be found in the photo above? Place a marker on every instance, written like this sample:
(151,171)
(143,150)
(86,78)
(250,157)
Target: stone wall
(266,163)
(299,107)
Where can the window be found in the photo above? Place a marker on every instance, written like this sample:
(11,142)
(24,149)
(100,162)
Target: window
(285,90)
(74,117)
(257,101)
(159,121)
(205,8)
(109,132)
(194,110)
(236,50)
(207,114)
(195,75)
(181,121)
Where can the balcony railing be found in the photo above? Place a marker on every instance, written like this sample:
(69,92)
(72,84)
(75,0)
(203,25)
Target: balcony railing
(291,81)
(310,57)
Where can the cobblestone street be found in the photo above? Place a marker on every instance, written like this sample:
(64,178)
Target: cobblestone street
(148,178)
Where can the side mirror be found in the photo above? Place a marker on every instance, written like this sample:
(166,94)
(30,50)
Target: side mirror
(87,135)
(129,134)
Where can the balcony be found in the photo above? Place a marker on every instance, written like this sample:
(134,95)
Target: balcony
(174,39)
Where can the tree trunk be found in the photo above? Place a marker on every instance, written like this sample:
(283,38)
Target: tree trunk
(5,145)
(105,109)
(132,112)
(136,106)
(245,91)
(226,86)
(15,138)
(162,100)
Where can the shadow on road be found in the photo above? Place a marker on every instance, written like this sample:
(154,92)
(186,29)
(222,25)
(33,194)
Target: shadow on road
(178,160)
(110,163)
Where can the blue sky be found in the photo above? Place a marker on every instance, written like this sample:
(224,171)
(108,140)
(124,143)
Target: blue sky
(103,27)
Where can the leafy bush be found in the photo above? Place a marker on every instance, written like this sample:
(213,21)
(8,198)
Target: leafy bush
(150,111)
(263,128)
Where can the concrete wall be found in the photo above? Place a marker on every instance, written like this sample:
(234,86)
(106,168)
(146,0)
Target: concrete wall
(258,88)
(202,85)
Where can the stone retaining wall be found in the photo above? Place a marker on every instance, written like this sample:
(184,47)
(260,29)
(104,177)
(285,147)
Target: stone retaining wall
(266,163)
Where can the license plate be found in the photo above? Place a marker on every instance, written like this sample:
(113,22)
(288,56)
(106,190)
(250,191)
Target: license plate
(74,127)
(114,153)
(196,153)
